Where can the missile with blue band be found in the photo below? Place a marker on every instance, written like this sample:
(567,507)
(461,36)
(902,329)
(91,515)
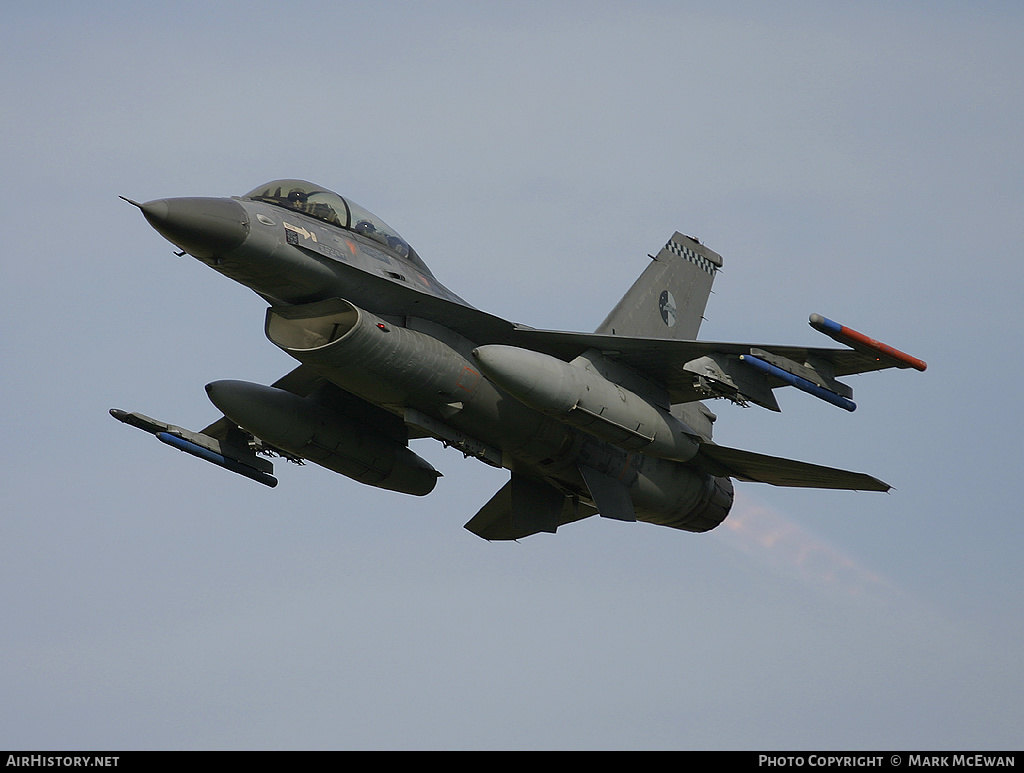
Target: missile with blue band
(800,383)
(219,459)
(861,342)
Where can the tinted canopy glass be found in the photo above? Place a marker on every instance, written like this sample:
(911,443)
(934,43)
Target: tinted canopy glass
(322,204)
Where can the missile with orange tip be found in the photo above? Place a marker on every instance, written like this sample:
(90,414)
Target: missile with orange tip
(863,343)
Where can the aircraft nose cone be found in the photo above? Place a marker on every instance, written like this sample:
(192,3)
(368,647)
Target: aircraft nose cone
(203,227)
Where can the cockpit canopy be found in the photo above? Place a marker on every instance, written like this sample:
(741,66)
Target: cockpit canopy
(322,204)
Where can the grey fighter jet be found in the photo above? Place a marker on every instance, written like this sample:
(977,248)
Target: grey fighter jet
(609,423)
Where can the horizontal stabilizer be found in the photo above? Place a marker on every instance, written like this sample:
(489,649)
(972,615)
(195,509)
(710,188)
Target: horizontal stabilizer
(760,468)
(526,506)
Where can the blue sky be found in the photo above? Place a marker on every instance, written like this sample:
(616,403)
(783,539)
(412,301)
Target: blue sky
(861,161)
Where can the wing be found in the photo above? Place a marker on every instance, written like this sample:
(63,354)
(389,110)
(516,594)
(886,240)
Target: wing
(689,370)
(694,370)
(224,443)
(227,445)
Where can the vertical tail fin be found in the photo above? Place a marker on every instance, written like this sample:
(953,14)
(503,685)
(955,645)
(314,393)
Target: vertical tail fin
(668,299)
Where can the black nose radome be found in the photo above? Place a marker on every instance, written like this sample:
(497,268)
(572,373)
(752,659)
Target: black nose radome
(203,227)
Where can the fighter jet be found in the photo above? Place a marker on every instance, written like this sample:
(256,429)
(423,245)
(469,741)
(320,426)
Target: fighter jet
(612,422)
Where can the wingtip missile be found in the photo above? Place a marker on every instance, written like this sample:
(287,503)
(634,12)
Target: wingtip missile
(206,454)
(857,340)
